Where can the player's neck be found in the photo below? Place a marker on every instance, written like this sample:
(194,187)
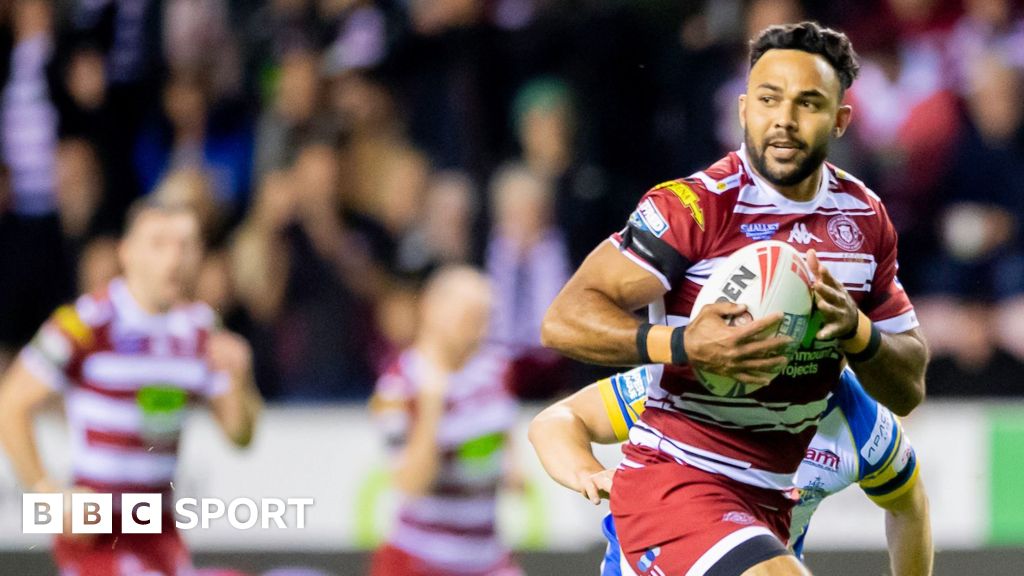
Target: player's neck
(147,305)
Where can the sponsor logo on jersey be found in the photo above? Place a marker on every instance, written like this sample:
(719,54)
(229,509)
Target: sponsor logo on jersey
(801,235)
(653,221)
(742,518)
(826,459)
(845,233)
(632,385)
(688,197)
(757,232)
(881,436)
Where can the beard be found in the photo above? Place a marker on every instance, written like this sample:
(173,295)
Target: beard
(786,176)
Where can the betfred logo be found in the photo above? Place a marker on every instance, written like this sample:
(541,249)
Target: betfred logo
(823,458)
(94,513)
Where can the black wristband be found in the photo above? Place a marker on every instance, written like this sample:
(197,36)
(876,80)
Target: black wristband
(678,349)
(869,351)
(641,342)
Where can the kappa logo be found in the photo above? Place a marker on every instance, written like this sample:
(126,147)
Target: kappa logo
(801,235)
(845,233)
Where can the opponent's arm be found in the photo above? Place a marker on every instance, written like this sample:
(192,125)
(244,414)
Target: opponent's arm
(236,410)
(891,367)
(591,320)
(21,395)
(908,531)
(561,435)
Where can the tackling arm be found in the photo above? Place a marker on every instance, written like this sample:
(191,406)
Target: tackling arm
(908,531)
(561,435)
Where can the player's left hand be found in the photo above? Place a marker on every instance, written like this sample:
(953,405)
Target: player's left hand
(831,298)
(229,352)
(596,486)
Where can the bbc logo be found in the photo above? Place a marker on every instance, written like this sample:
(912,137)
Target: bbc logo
(91,513)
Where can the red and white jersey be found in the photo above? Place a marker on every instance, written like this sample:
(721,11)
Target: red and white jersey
(680,232)
(452,527)
(128,378)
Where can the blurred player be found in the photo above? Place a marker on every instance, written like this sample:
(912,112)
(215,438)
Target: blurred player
(728,464)
(129,362)
(446,414)
(858,442)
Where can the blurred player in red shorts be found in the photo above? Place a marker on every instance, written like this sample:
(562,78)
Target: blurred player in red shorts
(129,362)
(728,464)
(446,414)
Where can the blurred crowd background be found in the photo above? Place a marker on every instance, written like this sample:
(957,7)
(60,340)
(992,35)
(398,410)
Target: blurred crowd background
(339,150)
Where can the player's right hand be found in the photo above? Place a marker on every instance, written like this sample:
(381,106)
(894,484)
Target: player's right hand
(749,353)
(595,486)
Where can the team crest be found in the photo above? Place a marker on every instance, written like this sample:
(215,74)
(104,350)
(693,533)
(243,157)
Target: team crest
(845,233)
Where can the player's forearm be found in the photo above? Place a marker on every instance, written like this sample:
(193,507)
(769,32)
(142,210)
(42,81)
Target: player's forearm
(895,376)
(908,530)
(421,458)
(246,407)
(588,326)
(562,443)
(16,434)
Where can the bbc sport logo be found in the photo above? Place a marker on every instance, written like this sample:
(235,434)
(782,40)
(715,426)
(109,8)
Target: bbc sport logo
(94,513)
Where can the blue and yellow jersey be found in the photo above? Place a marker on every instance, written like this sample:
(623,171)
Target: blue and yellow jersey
(858,441)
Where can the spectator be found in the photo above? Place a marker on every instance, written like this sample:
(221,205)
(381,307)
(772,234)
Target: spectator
(195,132)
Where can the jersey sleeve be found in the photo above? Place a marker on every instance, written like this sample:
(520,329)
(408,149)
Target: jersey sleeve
(391,406)
(897,476)
(666,232)
(58,348)
(624,396)
(887,465)
(887,304)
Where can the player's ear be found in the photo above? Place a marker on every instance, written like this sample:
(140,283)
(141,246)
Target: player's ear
(843,117)
(743,111)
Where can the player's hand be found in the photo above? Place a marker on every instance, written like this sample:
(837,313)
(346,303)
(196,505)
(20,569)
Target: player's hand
(595,486)
(229,352)
(750,353)
(831,298)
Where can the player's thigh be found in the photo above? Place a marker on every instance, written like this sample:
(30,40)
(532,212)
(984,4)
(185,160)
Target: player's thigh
(779,566)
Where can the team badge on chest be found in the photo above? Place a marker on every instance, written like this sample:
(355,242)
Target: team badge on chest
(845,233)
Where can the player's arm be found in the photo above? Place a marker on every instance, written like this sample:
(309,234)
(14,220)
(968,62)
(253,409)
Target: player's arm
(592,320)
(419,457)
(890,366)
(561,435)
(908,531)
(22,393)
(238,407)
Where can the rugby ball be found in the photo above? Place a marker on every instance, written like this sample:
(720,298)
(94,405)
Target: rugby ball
(768,276)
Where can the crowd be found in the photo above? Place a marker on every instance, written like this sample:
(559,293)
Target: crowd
(339,150)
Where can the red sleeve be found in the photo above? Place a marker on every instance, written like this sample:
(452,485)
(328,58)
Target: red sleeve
(666,232)
(392,406)
(887,304)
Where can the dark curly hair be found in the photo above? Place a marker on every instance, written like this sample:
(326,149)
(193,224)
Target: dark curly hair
(810,37)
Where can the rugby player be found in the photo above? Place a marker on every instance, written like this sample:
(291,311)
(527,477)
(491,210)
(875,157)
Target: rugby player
(728,464)
(446,413)
(129,362)
(858,442)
